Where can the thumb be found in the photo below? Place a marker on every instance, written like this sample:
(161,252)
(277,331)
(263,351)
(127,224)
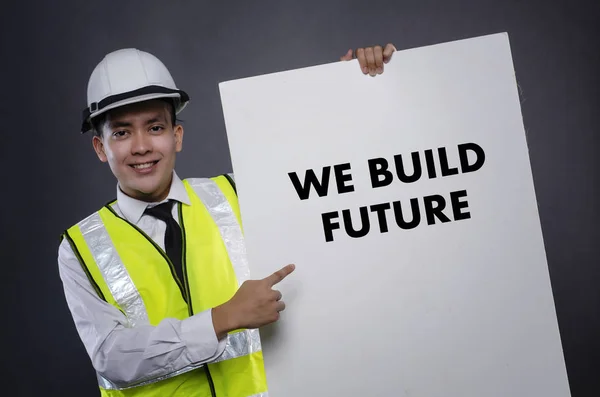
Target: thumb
(388,51)
(347,57)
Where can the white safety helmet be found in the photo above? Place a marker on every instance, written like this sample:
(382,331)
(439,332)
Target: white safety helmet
(128,76)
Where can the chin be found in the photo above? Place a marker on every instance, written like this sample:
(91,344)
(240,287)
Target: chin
(143,191)
(148,187)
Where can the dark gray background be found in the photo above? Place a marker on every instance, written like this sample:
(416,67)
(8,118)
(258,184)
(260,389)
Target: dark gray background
(52,178)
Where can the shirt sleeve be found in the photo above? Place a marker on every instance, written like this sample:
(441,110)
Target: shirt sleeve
(126,356)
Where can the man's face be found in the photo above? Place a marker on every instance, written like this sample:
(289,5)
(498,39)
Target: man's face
(139,143)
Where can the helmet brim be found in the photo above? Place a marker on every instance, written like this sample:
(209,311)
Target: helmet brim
(127,98)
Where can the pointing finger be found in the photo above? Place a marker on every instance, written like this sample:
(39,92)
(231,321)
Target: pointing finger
(279,275)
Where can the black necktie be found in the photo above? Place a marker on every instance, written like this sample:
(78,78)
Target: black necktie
(173,240)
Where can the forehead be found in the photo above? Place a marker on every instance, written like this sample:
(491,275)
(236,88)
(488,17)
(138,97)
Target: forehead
(139,112)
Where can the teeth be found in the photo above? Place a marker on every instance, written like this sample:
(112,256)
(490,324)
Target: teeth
(145,165)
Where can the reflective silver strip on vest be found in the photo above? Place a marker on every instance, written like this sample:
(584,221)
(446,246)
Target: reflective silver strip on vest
(217,205)
(113,271)
(248,341)
(240,344)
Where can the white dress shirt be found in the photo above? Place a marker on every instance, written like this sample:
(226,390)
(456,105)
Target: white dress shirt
(126,355)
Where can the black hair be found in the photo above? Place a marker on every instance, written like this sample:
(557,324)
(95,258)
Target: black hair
(98,122)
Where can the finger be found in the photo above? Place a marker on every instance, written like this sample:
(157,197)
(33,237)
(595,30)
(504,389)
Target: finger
(347,57)
(378,53)
(276,295)
(388,51)
(279,275)
(370,60)
(362,60)
(280,306)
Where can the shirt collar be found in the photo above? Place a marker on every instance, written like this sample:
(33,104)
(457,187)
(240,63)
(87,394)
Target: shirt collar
(133,209)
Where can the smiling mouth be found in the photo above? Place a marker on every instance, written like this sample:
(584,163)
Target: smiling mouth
(143,165)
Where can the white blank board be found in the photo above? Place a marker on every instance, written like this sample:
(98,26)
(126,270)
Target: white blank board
(455,308)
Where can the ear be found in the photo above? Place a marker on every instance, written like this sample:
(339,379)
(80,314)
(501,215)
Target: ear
(99,148)
(178,137)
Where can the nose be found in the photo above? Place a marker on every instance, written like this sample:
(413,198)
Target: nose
(141,143)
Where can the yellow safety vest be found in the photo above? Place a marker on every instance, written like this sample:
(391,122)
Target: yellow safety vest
(131,272)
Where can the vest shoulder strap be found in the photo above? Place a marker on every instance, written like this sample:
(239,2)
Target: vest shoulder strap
(211,190)
(76,240)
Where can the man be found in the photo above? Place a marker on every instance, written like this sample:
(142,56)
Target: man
(157,280)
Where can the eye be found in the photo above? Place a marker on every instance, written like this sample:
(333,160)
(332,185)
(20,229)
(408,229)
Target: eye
(156,128)
(119,134)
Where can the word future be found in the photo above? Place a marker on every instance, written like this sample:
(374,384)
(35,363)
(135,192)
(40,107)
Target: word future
(381,174)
